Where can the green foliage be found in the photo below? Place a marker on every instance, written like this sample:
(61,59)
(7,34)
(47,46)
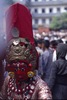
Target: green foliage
(59,22)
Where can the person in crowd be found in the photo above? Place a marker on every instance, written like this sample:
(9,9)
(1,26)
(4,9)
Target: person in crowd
(58,75)
(53,45)
(45,60)
(39,46)
(59,41)
(22,83)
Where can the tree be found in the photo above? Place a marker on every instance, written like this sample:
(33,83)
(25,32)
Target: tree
(59,22)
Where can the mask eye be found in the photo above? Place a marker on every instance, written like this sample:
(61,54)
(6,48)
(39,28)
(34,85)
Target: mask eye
(22,69)
(14,64)
(16,69)
(24,65)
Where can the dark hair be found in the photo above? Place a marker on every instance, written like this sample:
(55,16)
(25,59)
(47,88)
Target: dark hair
(46,43)
(54,43)
(66,42)
(39,41)
(59,41)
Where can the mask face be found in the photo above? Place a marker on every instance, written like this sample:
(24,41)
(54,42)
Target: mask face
(20,69)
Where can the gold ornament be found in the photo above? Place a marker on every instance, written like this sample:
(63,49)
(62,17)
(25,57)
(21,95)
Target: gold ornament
(30,74)
(11,74)
(16,51)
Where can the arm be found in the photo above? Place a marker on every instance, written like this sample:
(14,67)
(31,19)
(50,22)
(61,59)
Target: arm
(40,69)
(44,92)
(4,88)
(43,60)
(52,77)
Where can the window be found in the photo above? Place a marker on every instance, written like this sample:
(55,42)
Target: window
(43,20)
(65,8)
(29,0)
(50,0)
(58,9)
(43,10)
(50,10)
(36,10)
(36,21)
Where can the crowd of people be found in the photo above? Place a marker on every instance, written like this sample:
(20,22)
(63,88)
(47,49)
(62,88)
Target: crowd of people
(53,66)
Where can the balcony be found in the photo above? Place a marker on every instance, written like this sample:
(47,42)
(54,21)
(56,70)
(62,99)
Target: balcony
(48,3)
(45,15)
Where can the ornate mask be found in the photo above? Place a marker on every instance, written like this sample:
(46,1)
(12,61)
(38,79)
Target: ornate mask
(21,58)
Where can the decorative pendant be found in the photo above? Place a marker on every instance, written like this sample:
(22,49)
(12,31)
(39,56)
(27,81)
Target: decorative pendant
(32,87)
(25,93)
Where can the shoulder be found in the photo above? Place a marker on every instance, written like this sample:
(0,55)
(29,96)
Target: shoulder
(43,90)
(6,80)
(40,83)
(45,54)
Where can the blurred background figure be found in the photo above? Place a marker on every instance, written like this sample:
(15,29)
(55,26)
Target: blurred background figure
(45,60)
(53,45)
(39,46)
(57,80)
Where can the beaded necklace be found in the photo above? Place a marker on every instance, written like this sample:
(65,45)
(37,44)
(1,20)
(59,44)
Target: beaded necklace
(22,93)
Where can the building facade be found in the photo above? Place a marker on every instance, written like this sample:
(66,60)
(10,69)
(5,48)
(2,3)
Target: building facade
(44,10)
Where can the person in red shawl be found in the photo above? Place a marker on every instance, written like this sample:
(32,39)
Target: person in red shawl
(22,83)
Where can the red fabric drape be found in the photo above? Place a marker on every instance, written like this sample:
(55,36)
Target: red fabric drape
(19,16)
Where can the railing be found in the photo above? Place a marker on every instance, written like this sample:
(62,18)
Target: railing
(49,3)
(45,15)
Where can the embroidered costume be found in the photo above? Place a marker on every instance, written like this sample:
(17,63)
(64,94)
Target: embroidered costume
(22,83)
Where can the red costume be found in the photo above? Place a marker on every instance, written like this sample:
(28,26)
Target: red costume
(22,83)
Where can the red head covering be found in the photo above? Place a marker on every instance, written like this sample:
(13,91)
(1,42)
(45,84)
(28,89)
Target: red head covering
(21,55)
(19,16)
